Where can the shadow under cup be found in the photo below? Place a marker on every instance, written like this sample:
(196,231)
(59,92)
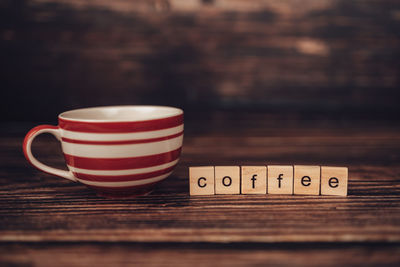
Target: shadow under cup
(119,151)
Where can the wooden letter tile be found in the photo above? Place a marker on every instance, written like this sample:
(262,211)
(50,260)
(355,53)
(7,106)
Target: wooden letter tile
(280,179)
(254,180)
(201,180)
(334,181)
(227,180)
(306,180)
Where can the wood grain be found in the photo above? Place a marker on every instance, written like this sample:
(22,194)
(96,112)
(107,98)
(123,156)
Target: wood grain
(35,207)
(330,56)
(172,254)
(261,82)
(45,219)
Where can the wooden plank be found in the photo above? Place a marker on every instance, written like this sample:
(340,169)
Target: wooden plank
(240,219)
(172,254)
(36,207)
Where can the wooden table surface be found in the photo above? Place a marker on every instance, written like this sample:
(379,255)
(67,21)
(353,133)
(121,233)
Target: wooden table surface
(46,220)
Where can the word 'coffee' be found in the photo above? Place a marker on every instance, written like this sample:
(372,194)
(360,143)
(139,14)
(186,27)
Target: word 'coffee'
(272,179)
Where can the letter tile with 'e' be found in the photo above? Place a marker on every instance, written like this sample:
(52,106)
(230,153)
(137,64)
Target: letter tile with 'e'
(334,181)
(306,180)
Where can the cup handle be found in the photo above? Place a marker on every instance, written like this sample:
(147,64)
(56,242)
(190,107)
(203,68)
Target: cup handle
(54,130)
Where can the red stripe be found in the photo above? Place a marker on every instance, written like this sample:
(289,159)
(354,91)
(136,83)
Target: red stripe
(123,178)
(122,163)
(29,136)
(121,127)
(123,142)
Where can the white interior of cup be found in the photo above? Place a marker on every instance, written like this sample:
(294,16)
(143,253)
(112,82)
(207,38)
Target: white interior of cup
(120,113)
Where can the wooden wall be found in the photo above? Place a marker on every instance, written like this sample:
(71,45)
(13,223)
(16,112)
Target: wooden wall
(325,56)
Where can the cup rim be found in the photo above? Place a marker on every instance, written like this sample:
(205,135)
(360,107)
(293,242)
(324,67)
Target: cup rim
(73,115)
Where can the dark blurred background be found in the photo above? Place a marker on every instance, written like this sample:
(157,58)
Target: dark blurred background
(328,58)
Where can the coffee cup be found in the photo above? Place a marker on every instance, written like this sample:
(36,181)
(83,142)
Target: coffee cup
(119,151)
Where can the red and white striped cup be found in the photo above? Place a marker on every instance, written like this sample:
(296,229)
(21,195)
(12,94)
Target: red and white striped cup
(119,151)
